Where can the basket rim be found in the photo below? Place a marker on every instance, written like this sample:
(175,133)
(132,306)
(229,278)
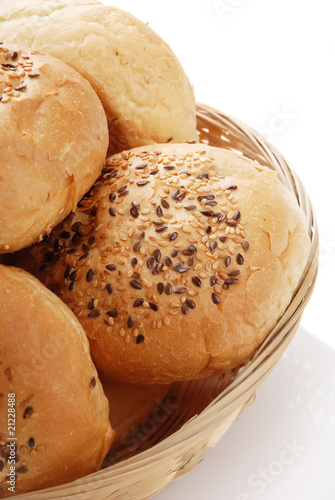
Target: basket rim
(262,362)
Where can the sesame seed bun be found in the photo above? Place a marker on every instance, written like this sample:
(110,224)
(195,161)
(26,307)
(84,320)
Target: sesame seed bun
(143,87)
(53,143)
(61,413)
(178,263)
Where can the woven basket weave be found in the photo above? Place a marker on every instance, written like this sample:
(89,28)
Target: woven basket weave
(195,415)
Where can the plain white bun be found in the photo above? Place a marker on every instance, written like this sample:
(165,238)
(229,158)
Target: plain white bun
(62,429)
(143,87)
(53,143)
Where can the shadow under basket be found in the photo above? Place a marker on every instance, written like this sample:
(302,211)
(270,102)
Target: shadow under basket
(195,415)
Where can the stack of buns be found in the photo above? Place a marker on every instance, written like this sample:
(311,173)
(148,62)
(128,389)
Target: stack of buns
(167,261)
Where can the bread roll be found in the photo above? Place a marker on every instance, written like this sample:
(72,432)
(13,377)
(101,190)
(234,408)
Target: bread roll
(143,87)
(179,263)
(130,405)
(53,143)
(61,427)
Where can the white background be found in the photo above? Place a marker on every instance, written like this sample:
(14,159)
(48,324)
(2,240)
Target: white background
(257,60)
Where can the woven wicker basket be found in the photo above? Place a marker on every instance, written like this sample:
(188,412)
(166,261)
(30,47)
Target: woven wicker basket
(195,415)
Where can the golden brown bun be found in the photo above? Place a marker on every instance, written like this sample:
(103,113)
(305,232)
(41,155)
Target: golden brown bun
(62,426)
(143,87)
(53,143)
(185,258)
(130,405)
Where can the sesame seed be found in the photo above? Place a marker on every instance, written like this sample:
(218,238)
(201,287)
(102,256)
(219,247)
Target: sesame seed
(213,246)
(28,411)
(184,308)
(223,238)
(212,280)
(154,172)
(153,306)
(175,252)
(173,236)
(133,261)
(231,188)
(240,259)
(123,188)
(165,204)
(124,193)
(130,322)
(112,197)
(141,235)
(109,289)
(93,383)
(215,298)
(245,245)
(94,314)
(89,275)
(23,469)
(178,266)
(168,289)
(140,338)
(135,284)
(191,261)
(150,262)
(179,291)
(159,211)
(31,442)
(234,273)
(175,194)
(142,183)
(208,229)
(138,302)
(142,166)
(208,213)
(112,313)
(227,261)
(157,255)
(160,288)
(196,281)
(231,223)
(190,303)
(134,212)
(137,246)
(161,229)
(231,281)
(112,212)
(111,267)
(65,235)
(168,261)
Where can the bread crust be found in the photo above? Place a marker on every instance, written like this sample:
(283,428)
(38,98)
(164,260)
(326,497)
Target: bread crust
(62,429)
(53,143)
(184,259)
